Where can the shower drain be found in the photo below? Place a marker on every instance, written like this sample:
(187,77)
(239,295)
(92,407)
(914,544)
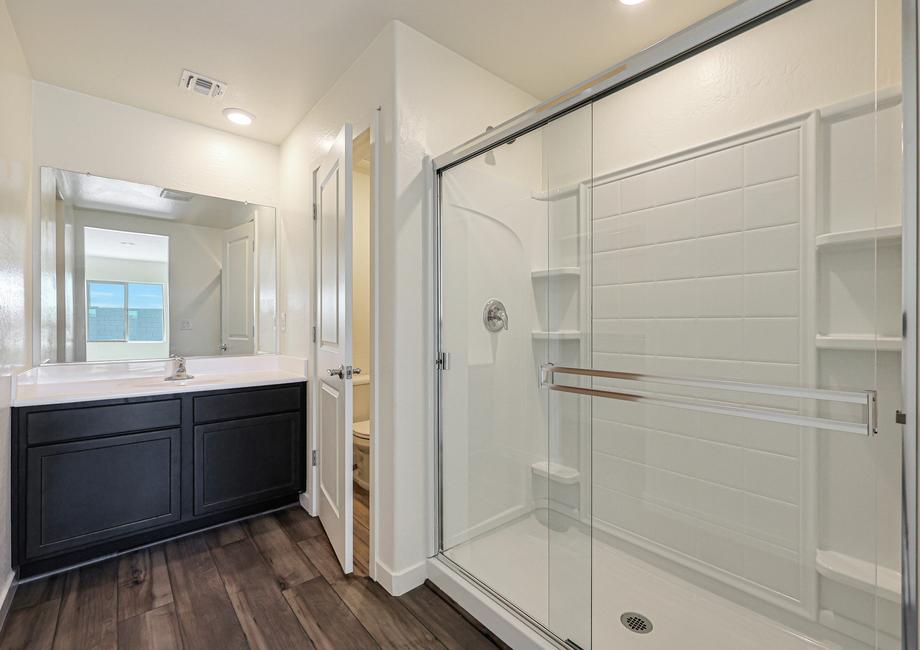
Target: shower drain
(635,622)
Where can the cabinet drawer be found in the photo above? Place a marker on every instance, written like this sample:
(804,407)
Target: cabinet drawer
(93,421)
(81,493)
(244,461)
(250,403)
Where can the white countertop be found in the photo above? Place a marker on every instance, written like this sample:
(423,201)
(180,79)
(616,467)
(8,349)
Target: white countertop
(62,384)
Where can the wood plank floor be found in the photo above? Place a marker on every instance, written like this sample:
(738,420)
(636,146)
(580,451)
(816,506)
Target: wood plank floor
(362,527)
(269,582)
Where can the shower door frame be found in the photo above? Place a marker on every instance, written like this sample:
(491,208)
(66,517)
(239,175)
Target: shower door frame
(723,25)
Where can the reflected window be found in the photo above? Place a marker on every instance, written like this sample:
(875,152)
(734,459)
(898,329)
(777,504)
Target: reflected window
(125,311)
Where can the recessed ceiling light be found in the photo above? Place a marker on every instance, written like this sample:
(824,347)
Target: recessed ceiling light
(239,116)
(631,2)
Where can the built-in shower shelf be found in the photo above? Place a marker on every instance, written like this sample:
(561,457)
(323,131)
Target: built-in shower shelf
(558,335)
(858,342)
(884,234)
(556,472)
(860,574)
(557,272)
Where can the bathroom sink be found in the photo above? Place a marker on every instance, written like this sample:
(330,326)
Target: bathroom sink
(158,382)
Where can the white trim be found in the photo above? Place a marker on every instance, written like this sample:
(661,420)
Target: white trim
(375,342)
(6,600)
(498,620)
(399,582)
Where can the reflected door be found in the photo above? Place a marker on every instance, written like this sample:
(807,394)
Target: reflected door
(236,323)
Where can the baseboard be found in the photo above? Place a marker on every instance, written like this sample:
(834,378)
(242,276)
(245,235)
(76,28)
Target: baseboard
(399,582)
(6,597)
(306,502)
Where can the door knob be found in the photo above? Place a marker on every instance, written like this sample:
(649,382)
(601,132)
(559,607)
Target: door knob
(343,372)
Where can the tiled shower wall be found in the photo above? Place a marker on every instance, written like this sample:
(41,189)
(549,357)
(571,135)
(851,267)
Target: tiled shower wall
(696,272)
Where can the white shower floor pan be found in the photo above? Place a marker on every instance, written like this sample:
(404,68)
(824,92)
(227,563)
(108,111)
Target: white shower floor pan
(512,560)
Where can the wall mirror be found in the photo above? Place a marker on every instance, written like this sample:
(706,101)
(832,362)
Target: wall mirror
(131,271)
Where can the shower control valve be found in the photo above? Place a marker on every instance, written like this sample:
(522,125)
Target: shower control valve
(494,316)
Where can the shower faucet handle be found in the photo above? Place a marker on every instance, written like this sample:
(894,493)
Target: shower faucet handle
(494,316)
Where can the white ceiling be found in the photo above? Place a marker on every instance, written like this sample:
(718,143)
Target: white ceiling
(98,193)
(280,56)
(121,245)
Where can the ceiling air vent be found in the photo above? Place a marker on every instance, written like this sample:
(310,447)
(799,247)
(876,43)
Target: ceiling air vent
(175,195)
(197,83)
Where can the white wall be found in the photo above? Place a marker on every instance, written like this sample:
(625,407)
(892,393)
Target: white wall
(420,113)
(78,132)
(361,289)
(15,210)
(442,100)
(367,84)
(793,64)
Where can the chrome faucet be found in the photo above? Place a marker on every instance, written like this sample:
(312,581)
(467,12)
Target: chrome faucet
(179,370)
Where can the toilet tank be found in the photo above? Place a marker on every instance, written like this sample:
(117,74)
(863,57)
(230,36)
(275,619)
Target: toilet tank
(362,402)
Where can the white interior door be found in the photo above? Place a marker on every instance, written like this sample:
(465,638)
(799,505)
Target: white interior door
(334,344)
(237,328)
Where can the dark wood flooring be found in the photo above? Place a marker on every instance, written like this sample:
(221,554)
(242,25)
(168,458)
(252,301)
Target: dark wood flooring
(362,530)
(269,582)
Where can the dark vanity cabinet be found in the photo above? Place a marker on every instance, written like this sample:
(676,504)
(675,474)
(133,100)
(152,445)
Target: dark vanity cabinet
(95,478)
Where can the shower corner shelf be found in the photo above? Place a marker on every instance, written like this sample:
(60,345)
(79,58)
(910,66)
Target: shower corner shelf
(558,335)
(857,573)
(557,272)
(858,342)
(883,234)
(556,472)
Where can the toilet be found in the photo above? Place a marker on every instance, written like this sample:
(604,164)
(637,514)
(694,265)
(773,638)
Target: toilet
(361,432)
(362,453)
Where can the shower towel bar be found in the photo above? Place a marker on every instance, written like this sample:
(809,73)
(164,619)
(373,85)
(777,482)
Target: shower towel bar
(865,398)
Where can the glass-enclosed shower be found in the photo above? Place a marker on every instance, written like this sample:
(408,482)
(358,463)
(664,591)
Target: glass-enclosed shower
(673,318)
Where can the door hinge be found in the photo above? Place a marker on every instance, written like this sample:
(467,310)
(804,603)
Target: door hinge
(443,361)
(314,333)
(314,212)
(313,459)
(900,417)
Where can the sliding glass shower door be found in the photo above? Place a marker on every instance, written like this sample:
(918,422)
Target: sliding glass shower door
(514,274)
(673,321)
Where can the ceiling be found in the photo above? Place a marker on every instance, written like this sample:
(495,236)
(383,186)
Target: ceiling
(121,245)
(90,192)
(279,57)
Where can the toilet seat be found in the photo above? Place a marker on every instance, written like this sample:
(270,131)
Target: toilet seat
(362,429)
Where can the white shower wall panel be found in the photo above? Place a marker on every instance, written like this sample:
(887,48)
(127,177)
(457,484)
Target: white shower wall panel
(697,273)
(495,420)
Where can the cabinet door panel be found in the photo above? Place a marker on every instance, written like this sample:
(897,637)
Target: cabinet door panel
(247,460)
(85,492)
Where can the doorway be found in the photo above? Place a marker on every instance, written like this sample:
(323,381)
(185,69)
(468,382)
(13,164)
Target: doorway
(343,420)
(362,324)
